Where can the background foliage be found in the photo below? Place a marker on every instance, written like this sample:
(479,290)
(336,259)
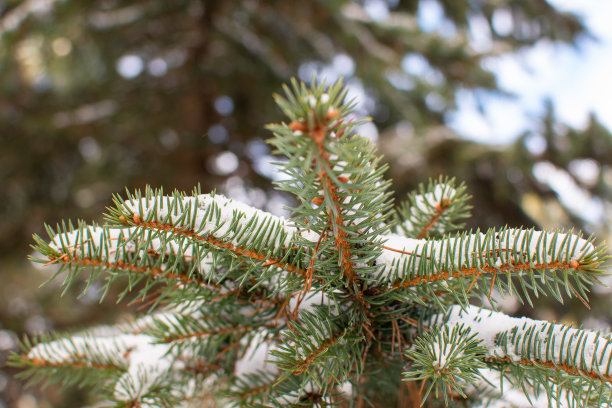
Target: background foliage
(102,95)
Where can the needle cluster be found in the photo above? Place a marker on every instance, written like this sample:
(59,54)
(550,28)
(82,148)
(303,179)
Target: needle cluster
(347,303)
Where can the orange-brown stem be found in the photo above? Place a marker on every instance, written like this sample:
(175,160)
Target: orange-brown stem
(478,271)
(196,335)
(440,209)
(301,366)
(267,261)
(563,367)
(78,364)
(155,272)
(254,391)
(318,135)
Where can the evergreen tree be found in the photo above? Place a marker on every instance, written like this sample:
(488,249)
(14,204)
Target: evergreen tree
(347,303)
(75,126)
(72,118)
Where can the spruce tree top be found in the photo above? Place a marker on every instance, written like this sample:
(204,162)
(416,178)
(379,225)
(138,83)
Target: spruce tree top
(347,303)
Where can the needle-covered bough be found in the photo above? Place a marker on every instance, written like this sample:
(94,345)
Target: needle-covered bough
(348,303)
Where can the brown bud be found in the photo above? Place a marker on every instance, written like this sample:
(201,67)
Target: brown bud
(296,125)
(136,219)
(445,203)
(317,200)
(343,179)
(333,113)
(318,135)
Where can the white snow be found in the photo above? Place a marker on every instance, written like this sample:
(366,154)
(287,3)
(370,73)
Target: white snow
(148,361)
(111,245)
(426,205)
(513,396)
(79,348)
(256,356)
(312,101)
(83,242)
(442,351)
(475,250)
(214,216)
(313,298)
(539,340)
(145,359)
(441,192)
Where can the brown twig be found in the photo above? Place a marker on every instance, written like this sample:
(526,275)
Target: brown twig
(559,366)
(462,272)
(440,209)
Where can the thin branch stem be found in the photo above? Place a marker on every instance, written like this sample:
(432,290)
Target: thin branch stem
(462,272)
(556,366)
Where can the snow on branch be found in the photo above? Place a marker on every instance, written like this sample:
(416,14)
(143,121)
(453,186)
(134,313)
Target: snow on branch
(138,360)
(262,311)
(550,259)
(564,362)
(101,353)
(120,249)
(450,357)
(531,342)
(216,222)
(178,239)
(434,210)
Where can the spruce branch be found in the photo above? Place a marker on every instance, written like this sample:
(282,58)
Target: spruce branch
(433,210)
(143,258)
(211,238)
(544,262)
(530,351)
(338,181)
(215,222)
(133,367)
(450,358)
(87,362)
(251,309)
(344,172)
